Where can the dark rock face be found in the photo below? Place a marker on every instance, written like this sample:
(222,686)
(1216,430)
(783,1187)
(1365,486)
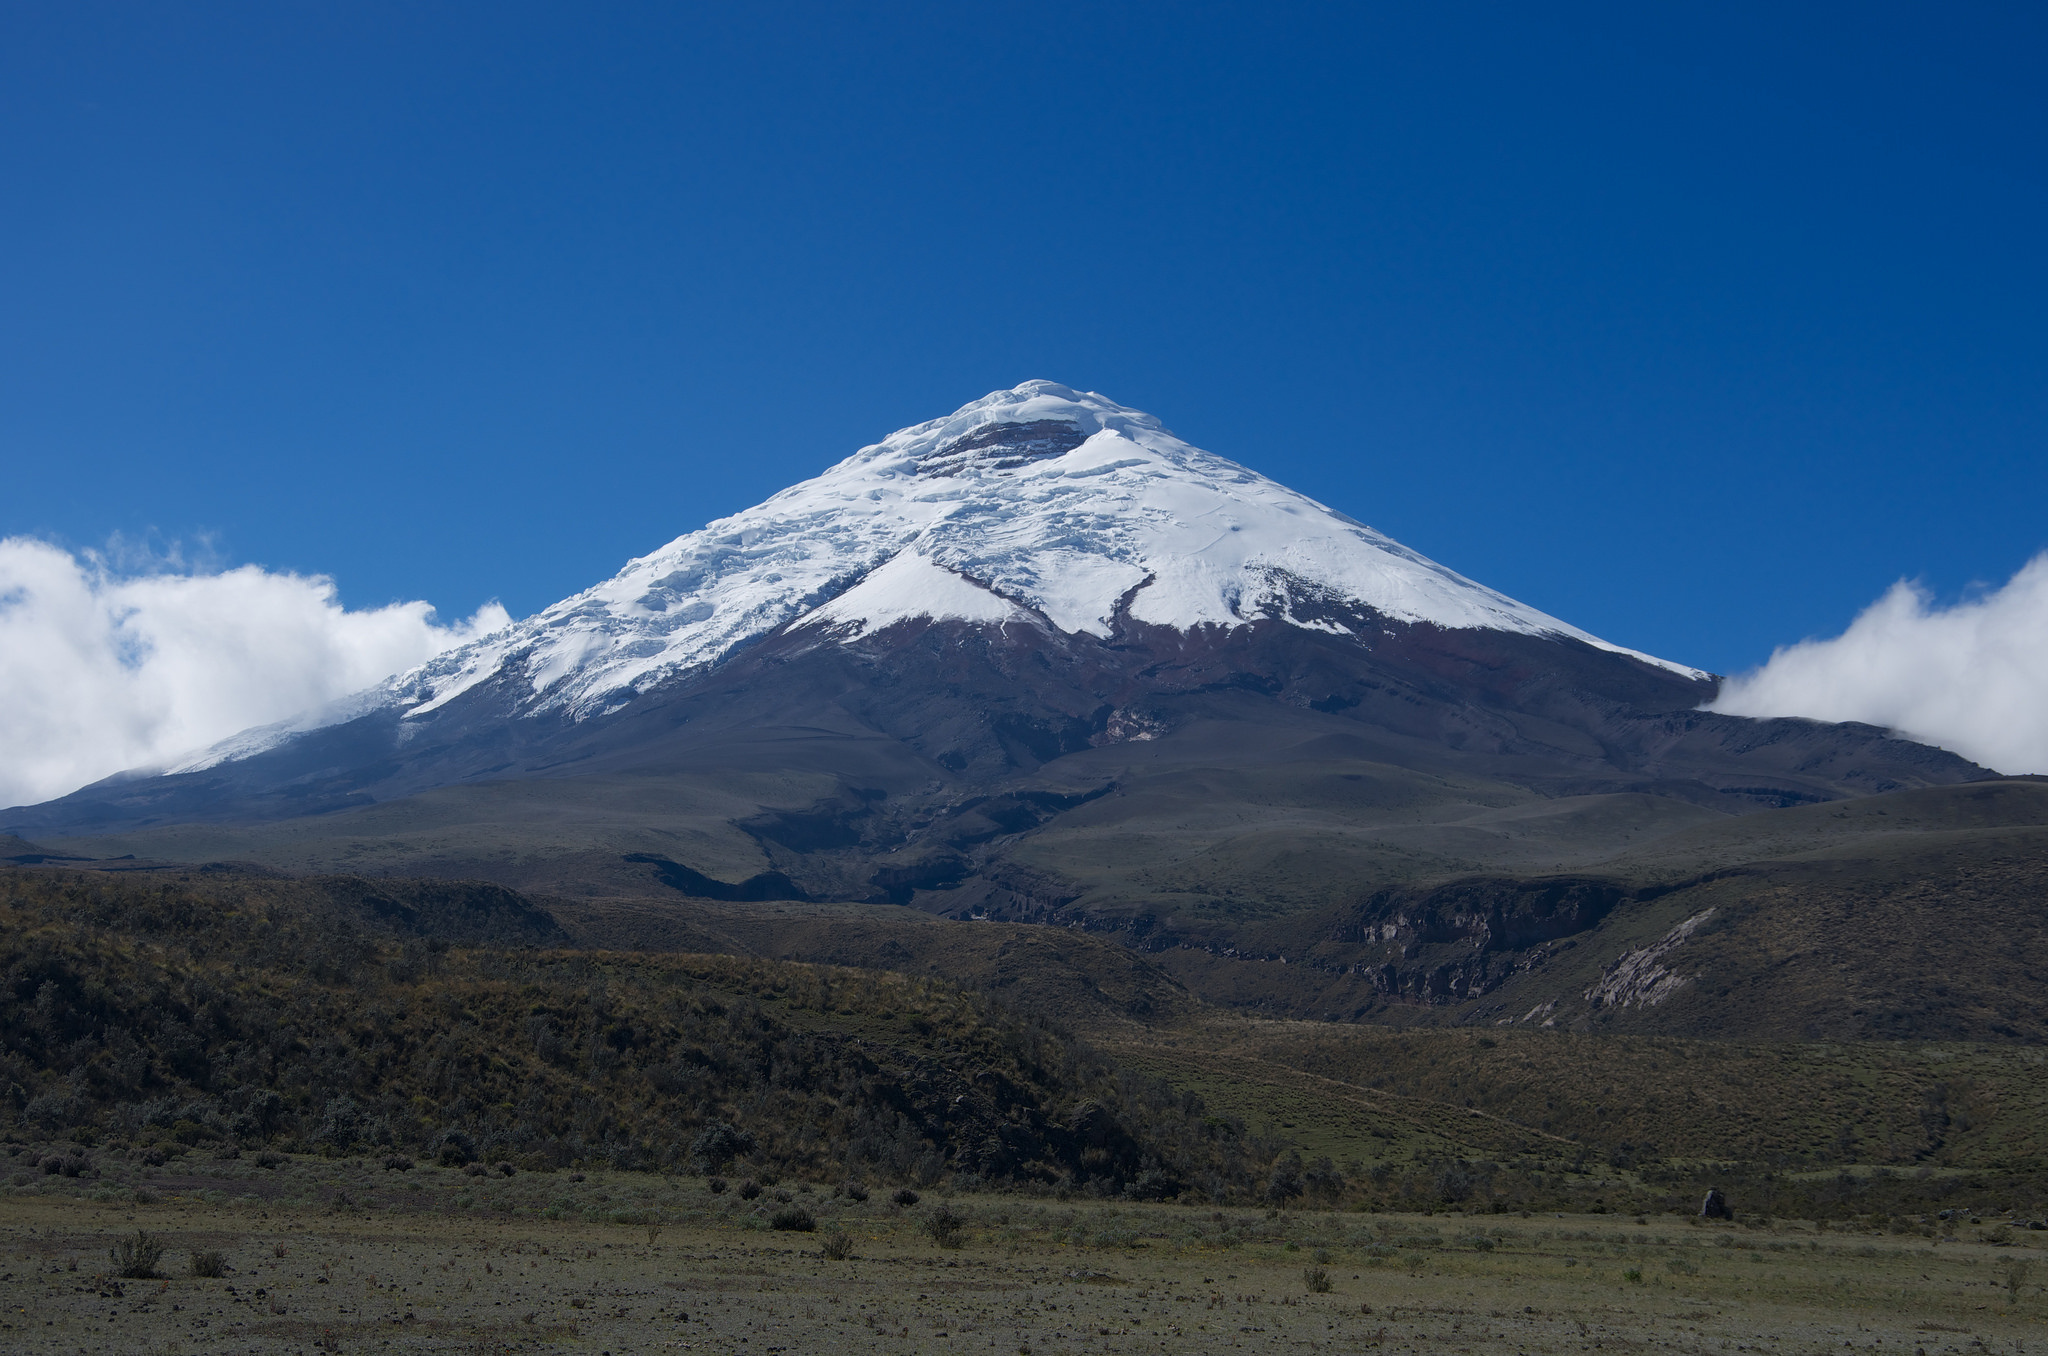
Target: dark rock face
(1484,914)
(1004,447)
(1464,939)
(1716,1207)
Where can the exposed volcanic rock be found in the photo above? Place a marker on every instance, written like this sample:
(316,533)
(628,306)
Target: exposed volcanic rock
(1004,447)
(1483,914)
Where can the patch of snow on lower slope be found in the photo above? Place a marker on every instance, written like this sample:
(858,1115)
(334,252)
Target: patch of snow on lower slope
(910,586)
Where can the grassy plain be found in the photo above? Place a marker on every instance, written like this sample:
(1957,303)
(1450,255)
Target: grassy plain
(1347,1091)
(339,1255)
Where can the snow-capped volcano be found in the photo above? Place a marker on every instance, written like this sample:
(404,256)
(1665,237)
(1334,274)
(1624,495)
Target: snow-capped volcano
(1017,591)
(1038,506)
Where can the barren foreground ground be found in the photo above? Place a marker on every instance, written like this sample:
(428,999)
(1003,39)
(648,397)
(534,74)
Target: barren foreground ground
(349,1257)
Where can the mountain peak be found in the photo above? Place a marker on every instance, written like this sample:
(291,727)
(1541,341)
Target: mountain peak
(1039,505)
(1039,417)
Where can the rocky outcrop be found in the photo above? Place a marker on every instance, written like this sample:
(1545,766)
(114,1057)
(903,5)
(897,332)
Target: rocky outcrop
(1639,977)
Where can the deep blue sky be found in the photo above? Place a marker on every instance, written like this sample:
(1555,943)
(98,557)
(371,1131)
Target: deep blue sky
(1697,328)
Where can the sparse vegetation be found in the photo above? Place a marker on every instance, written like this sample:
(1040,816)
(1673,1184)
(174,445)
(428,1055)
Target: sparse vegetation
(944,1226)
(135,1258)
(209,1262)
(1103,1263)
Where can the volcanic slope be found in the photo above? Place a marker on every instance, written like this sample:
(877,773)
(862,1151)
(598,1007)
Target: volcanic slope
(1039,659)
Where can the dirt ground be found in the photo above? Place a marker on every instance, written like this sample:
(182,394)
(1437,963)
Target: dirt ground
(345,1256)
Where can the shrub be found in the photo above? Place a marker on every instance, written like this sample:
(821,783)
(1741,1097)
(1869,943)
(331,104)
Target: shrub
(718,1144)
(943,1226)
(838,1245)
(793,1219)
(855,1192)
(136,1258)
(476,1170)
(1633,1275)
(1681,1267)
(398,1163)
(1285,1183)
(505,1169)
(456,1149)
(1317,1280)
(717,1185)
(783,1196)
(270,1158)
(1152,1184)
(210,1262)
(749,1189)
(904,1196)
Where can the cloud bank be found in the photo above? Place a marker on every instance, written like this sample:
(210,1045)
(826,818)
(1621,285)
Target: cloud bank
(1972,678)
(101,671)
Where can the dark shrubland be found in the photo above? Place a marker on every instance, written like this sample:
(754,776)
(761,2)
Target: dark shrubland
(429,1018)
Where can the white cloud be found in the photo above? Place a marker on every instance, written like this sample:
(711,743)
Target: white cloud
(1972,678)
(102,670)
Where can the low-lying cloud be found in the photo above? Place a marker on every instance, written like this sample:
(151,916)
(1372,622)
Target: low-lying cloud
(1972,678)
(101,670)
